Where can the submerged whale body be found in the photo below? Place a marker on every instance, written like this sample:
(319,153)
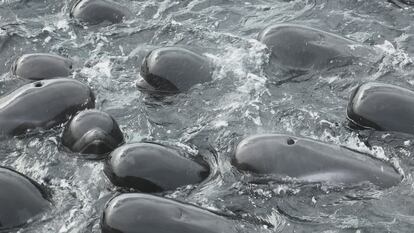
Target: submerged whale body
(143,213)
(311,161)
(40,66)
(21,199)
(296,47)
(92,132)
(43,104)
(98,11)
(382,107)
(151,167)
(173,70)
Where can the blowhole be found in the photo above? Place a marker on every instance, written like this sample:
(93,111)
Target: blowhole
(290,141)
(38,84)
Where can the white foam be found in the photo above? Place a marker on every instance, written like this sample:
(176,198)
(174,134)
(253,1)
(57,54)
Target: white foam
(101,70)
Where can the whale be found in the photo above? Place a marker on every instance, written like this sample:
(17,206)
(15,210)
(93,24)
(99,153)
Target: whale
(301,48)
(97,11)
(151,167)
(21,199)
(43,105)
(311,161)
(143,213)
(170,70)
(92,132)
(382,107)
(39,66)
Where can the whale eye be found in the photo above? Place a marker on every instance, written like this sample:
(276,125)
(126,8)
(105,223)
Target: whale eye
(38,84)
(290,141)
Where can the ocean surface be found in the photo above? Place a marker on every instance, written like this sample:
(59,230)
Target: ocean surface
(246,97)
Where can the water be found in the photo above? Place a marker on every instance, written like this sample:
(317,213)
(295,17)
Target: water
(245,98)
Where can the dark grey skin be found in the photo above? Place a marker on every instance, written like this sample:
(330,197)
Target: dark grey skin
(92,132)
(172,70)
(39,66)
(382,107)
(151,167)
(21,199)
(143,213)
(43,105)
(297,47)
(311,161)
(97,11)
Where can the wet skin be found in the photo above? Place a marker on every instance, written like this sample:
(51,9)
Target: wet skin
(92,132)
(172,70)
(297,47)
(21,199)
(311,161)
(39,66)
(382,107)
(98,11)
(43,105)
(143,213)
(151,167)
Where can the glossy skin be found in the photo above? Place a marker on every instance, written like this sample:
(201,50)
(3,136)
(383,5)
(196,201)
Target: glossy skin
(143,213)
(173,70)
(98,11)
(92,132)
(21,199)
(151,167)
(43,104)
(382,107)
(311,161)
(39,66)
(297,47)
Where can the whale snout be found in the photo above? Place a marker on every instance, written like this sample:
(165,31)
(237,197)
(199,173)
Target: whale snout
(95,141)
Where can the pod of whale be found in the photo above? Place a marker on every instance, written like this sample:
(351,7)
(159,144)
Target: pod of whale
(382,107)
(143,213)
(40,66)
(151,167)
(92,132)
(173,70)
(43,104)
(311,161)
(98,11)
(21,199)
(297,47)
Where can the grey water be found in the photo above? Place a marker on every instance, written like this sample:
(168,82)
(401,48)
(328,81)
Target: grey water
(244,98)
